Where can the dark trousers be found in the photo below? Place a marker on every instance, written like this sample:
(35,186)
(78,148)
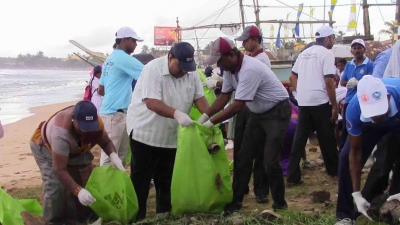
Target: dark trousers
(310,117)
(371,135)
(152,162)
(272,126)
(260,180)
(343,136)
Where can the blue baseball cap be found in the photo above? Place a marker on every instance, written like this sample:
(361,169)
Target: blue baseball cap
(85,114)
(184,52)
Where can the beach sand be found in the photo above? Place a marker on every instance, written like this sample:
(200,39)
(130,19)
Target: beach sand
(18,168)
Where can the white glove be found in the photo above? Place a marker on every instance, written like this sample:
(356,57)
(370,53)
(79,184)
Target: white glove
(352,83)
(203,118)
(208,124)
(182,118)
(116,161)
(393,197)
(216,77)
(361,203)
(85,198)
(210,83)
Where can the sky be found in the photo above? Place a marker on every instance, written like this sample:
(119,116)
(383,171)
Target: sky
(29,26)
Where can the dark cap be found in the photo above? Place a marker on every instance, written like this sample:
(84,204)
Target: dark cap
(208,71)
(250,31)
(85,114)
(184,52)
(97,69)
(219,47)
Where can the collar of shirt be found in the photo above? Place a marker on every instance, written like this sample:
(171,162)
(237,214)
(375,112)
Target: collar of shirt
(392,111)
(363,63)
(164,66)
(240,61)
(257,52)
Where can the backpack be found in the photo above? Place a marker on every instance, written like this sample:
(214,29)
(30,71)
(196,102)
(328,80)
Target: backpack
(88,91)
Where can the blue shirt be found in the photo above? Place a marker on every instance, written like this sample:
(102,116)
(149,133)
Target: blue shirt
(351,70)
(381,62)
(355,120)
(119,70)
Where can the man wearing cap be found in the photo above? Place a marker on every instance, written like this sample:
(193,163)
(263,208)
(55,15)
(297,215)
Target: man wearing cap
(260,90)
(353,72)
(119,70)
(371,114)
(315,85)
(61,148)
(161,101)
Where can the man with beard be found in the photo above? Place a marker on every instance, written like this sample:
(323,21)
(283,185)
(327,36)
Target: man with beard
(119,70)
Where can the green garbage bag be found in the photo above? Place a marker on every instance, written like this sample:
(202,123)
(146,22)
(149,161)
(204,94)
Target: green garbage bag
(208,94)
(201,181)
(11,209)
(114,193)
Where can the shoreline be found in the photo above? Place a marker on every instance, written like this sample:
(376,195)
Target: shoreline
(18,167)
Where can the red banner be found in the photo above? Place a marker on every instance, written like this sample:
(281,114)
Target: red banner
(166,36)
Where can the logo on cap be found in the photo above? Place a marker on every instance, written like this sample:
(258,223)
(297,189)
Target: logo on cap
(377,95)
(362,71)
(89,118)
(364,98)
(189,59)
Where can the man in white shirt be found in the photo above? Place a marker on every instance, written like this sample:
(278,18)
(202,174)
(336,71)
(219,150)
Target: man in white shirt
(315,85)
(260,90)
(161,101)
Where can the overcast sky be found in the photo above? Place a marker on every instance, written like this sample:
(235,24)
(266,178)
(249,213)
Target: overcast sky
(28,26)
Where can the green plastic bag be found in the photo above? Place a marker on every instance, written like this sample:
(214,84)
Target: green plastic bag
(114,193)
(11,209)
(201,181)
(208,93)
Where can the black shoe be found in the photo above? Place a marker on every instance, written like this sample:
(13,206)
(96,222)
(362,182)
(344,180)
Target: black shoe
(276,206)
(262,199)
(231,208)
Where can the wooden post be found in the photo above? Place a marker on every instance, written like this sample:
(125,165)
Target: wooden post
(242,12)
(367,28)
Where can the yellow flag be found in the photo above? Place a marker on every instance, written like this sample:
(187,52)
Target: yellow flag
(271,31)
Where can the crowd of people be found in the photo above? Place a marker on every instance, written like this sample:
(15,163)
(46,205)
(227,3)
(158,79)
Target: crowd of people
(146,118)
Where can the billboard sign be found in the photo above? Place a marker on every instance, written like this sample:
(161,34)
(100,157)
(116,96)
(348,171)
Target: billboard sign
(166,36)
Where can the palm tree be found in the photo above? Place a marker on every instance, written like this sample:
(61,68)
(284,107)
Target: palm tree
(341,33)
(145,49)
(390,29)
(153,50)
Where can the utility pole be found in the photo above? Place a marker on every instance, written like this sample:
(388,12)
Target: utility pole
(257,13)
(324,10)
(367,28)
(198,49)
(178,29)
(241,12)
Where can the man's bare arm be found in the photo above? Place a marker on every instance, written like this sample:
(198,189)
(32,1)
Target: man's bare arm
(330,89)
(343,82)
(60,163)
(293,81)
(159,107)
(100,90)
(230,111)
(201,104)
(106,144)
(219,104)
(355,161)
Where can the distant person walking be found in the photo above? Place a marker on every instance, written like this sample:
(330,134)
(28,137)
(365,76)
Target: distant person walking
(96,97)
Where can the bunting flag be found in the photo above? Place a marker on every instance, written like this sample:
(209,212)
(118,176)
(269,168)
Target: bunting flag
(311,25)
(285,28)
(271,31)
(333,4)
(297,27)
(352,25)
(278,37)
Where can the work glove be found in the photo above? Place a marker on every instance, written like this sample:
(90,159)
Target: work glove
(210,83)
(85,198)
(182,118)
(216,77)
(361,203)
(208,124)
(117,162)
(393,197)
(352,83)
(203,118)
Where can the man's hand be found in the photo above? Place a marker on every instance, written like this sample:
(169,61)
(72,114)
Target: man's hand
(203,118)
(182,118)
(208,124)
(335,114)
(116,161)
(393,197)
(210,83)
(85,198)
(352,83)
(361,203)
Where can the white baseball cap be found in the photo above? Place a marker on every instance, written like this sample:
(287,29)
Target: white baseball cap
(372,96)
(358,41)
(324,31)
(127,32)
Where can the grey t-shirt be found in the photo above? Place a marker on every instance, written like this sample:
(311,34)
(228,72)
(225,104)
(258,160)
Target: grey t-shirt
(255,83)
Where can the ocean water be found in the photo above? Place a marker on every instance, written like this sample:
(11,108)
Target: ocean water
(24,89)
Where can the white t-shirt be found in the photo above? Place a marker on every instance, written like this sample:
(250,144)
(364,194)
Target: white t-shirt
(156,82)
(255,83)
(263,57)
(311,67)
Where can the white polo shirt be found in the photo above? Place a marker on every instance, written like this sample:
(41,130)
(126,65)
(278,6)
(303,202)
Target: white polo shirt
(263,57)
(256,84)
(156,82)
(311,67)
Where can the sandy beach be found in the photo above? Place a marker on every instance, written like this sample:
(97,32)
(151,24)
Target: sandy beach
(18,168)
